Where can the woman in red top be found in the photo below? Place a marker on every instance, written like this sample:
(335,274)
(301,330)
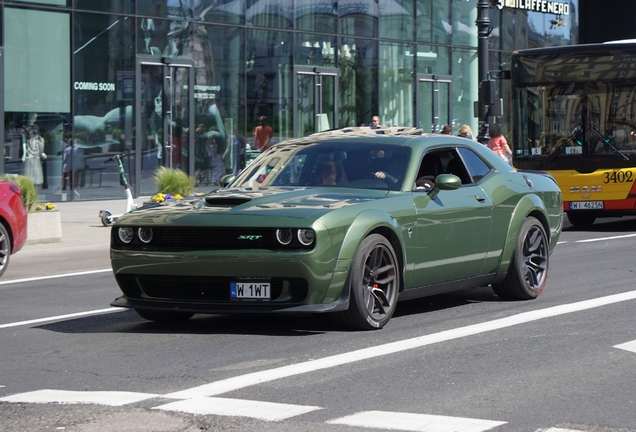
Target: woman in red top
(263,135)
(498,143)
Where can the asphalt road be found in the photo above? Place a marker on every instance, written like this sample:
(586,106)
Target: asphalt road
(461,362)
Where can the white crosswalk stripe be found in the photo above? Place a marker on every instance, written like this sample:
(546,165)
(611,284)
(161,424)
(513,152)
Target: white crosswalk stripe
(110,398)
(237,407)
(415,422)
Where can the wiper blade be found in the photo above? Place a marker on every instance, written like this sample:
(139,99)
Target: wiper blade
(608,144)
(562,144)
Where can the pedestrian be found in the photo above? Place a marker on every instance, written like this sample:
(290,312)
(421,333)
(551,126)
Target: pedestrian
(466,132)
(67,156)
(498,143)
(375,122)
(447,130)
(236,150)
(263,135)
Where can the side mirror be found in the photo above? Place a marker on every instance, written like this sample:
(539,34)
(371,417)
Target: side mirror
(226,180)
(445,182)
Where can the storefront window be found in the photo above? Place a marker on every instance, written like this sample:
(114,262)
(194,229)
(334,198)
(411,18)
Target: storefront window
(112,6)
(433,21)
(433,59)
(268,82)
(164,38)
(36,95)
(315,15)
(314,50)
(465,87)
(396,84)
(464,28)
(103,94)
(358,18)
(269,13)
(223,11)
(396,19)
(358,73)
(180,9)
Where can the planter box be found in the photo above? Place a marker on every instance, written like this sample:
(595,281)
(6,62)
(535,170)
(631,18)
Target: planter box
(44,227)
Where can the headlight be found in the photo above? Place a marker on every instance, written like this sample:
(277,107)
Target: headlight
(306,236)
(145,234)
(284,236)
(125,234)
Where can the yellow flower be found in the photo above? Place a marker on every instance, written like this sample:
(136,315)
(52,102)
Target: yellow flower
(177,196)
(159,197)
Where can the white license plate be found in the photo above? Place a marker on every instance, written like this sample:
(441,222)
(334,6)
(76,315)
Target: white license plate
(253,290)
(586,205)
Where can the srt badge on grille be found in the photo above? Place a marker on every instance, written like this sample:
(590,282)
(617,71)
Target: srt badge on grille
(249,237)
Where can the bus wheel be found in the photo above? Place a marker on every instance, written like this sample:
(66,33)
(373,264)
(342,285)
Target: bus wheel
(581,220)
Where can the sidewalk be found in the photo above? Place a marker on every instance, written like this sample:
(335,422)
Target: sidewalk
(81,225)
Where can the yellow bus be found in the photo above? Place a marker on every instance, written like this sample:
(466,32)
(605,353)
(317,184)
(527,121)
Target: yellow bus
(574,116)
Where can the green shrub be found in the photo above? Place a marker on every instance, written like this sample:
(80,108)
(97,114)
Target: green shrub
(29,193)
(173,181)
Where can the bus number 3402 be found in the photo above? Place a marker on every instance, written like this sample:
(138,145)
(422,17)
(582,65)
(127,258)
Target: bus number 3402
(618,177)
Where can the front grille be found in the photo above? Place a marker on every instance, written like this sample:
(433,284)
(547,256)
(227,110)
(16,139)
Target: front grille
(213,238)
(201,288)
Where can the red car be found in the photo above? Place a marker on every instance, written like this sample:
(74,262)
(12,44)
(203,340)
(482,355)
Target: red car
(13,222)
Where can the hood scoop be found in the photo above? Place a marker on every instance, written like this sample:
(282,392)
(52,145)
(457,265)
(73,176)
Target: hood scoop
(226,201)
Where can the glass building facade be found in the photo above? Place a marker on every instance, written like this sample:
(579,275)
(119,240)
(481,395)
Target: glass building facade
(170,82)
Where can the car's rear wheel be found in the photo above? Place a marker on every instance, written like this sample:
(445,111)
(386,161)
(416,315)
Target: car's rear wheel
(5,249)
(581,220)
(528,271)
(374,282)
(163,316)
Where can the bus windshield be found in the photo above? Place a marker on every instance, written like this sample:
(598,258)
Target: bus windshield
(574,108)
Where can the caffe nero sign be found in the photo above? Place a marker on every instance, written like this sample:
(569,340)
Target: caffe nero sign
(544,6)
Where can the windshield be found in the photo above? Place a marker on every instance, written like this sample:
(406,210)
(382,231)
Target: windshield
(580,123)
(367,166)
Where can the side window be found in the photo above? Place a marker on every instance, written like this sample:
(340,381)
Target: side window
(476,167)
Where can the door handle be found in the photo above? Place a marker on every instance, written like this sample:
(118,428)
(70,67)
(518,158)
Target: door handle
(480,198)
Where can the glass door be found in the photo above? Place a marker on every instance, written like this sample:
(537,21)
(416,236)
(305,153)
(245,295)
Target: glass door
(433,102)
(163,119)
(315,100)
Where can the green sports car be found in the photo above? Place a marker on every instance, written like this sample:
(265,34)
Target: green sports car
(345,222)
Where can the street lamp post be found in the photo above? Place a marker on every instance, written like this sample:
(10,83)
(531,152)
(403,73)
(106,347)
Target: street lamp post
(483,31)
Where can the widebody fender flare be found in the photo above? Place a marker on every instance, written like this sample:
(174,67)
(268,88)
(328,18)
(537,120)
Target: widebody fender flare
(529,205)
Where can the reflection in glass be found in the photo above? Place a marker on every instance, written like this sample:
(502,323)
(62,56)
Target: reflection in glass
(314,49)
(315,15)
(396,84)
(433,21)
(224,11)
(269,13)
(396,19)
(181,9)
(358,17)
(268,82)
(113,6)
(163,38)
(358,66)
(465,86)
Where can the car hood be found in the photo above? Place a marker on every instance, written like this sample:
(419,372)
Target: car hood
(305,203)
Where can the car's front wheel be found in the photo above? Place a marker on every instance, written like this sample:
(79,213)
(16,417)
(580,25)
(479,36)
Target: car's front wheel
(163,316)
(528,271)
(5,249)
(374,281)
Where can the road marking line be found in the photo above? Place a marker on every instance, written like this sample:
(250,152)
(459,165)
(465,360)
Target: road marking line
(110,398)
(267,411)
(627,346)
(61,317)
(416,422)
(559,430)
(606,238)
(55,276)
(247,380)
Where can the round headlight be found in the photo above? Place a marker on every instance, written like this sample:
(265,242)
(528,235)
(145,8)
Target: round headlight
(145,234)
(284,236)
(125,235)
(306,236)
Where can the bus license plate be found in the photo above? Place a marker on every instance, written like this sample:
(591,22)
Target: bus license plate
(586,205)
(250,290)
